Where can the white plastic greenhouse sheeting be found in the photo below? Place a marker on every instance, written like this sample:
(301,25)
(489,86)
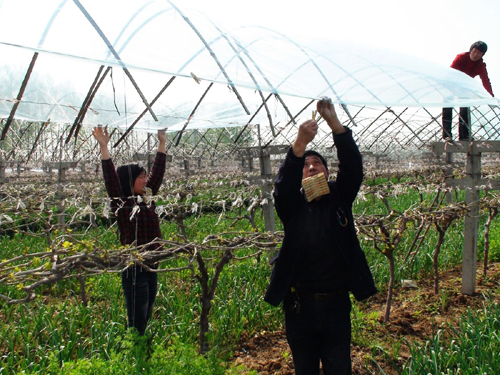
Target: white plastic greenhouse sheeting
(155,40)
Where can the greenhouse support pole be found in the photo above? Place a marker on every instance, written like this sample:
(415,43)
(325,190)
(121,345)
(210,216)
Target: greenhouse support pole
(144,112)
(267,189)
(2,163)
(266,178)
(471,224)
(449,172)
(149,152)
(470,183)
(267,186)
(60,195)
(116,55)
(19,96)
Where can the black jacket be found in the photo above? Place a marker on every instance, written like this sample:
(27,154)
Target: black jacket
(292,208)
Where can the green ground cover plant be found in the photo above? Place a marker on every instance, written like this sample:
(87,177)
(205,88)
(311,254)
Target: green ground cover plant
(471,348)
(58,333)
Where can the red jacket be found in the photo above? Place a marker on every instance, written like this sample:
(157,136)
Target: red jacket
(472,68)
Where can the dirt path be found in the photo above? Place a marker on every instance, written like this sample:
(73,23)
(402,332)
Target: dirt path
(416,314)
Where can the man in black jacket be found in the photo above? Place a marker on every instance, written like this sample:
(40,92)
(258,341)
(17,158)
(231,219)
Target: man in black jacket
(320,260)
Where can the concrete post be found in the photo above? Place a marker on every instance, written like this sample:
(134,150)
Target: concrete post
(60,195)
(2,172)
(267,189)
(471,224)
(449,172)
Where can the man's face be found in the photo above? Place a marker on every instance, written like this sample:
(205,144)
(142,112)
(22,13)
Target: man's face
(313,166)
(475,54)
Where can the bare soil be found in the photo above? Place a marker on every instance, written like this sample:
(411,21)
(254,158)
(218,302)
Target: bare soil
(416,314)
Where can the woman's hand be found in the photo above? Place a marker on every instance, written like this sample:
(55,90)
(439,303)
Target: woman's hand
(162,140)
(102,136)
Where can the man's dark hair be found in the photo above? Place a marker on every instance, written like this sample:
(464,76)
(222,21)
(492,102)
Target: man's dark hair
(312,152)
(127,175)
(481,46)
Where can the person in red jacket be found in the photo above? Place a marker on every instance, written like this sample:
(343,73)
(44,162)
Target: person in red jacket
(137,221)
(472,64)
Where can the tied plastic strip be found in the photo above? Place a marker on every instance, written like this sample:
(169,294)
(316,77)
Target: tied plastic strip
(148,195)
(315,186)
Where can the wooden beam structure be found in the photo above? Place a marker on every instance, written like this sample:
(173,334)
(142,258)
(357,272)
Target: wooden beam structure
(266,178)
(471,183)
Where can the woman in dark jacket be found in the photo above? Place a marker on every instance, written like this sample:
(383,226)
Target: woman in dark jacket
(137,222)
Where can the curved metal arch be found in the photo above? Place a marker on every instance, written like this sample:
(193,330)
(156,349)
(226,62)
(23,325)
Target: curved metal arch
(257,86)
(396,81)
(51,22)
(319,69)
(140,27)
(122,31)
(347,75)
(127,24)
(314,62)
(56,103)
(30,70)
(372,65)
(212,53)
(236,54)
(116,55)
(207,45)
(275,92)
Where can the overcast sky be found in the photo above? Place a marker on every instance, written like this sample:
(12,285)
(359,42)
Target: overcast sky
(436,30)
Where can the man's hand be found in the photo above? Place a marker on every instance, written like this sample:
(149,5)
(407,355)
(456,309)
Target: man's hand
(327,111)
(307,132)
